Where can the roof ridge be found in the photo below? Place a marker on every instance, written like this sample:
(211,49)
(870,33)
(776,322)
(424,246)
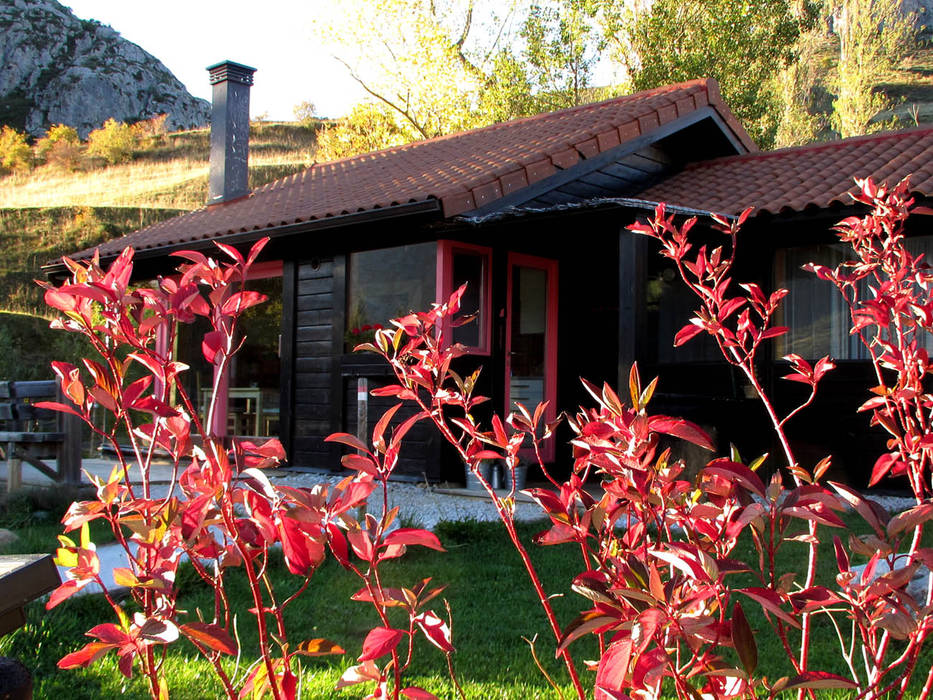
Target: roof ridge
(511,123)
(814,147)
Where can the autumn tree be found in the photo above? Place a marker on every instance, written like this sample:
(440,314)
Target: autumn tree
(742,44)
(15,153)
(60,147)
(115,142)
(438,67)
(369,126)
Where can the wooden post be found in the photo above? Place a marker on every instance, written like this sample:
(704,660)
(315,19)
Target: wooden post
(362,409)
(14,467)
(69,452)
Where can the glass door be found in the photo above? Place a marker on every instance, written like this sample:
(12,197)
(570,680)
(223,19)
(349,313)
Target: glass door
(531,336)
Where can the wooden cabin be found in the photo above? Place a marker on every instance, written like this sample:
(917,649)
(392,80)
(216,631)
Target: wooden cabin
(531,213)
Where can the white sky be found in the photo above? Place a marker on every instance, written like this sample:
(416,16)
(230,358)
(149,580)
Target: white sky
(273,36)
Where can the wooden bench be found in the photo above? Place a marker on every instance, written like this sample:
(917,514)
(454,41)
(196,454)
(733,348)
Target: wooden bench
(30,434)
(23,577)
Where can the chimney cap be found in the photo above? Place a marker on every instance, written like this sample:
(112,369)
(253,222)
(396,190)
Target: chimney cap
(230,70)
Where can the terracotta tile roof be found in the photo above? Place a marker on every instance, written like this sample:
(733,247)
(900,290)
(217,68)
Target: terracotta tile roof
(793,179)
(462,171)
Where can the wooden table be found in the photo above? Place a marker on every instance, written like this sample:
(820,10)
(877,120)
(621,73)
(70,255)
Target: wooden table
(253,396)
(23,578)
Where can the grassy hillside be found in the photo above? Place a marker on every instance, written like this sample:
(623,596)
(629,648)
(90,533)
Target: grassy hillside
(28,346)
(171,172)
(49,212)
(31,237)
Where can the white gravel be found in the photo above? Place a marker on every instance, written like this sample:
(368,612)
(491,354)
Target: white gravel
(420,505)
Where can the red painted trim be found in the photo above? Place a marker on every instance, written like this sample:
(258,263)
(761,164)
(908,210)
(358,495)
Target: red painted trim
(162,350)
(222,383)
(264,270)
(445,283)
(550,342)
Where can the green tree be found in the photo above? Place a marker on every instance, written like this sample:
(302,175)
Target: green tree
(873,37)
(60,147)
(15,153)
(800,120)
(115,142)
(742,44)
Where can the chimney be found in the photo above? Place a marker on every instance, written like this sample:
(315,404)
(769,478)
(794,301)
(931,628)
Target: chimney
(229,131)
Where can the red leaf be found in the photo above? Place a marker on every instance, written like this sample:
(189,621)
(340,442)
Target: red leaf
(380,641)
(686,333)
(382,424)
(683,429)
(743,639)
(150,404)
(774,332)
(436,630)
(409,535)
(231,251)
(884,464)
(65,591)
(771,602)
(416,693)
(239,302)
(212,345)
(359,463)
(909,519)
(734,471)
(613,668)
(863,506)
(818,679)
(86,655)
(347,439)
(361,673)
(211,636)
(55,406)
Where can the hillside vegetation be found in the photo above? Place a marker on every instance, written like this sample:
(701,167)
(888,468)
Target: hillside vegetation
(48,212)
(170,172)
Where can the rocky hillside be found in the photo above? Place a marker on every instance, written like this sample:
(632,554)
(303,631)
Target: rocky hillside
(61,69)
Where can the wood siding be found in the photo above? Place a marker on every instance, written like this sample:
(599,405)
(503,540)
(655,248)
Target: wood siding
(319,320)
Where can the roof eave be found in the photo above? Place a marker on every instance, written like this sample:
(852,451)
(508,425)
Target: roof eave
(424,208)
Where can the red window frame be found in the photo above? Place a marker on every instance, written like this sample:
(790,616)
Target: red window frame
(446,249)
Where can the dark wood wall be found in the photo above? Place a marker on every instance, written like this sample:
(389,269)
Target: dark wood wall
(318,339)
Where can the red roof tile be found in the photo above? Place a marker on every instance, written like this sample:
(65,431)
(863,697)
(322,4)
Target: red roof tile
(793,179)
(462,171)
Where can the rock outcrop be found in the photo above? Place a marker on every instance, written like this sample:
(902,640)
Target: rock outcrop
(58,69)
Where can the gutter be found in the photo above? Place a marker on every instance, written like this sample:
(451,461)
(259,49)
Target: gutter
(516,212)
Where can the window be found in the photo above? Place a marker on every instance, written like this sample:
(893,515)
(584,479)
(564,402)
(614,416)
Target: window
(385,284)
(669,306)
(248,402)
(391,282)
(815,312)
(462,263)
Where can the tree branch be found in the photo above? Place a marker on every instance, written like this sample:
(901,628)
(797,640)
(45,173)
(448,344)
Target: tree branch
(385,100)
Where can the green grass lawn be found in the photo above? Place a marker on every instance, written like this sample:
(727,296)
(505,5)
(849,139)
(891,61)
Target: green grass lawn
(493,609)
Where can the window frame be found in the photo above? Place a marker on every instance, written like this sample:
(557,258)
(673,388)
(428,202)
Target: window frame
(446,249)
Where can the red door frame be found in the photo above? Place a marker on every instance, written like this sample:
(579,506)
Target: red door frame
(550,342)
